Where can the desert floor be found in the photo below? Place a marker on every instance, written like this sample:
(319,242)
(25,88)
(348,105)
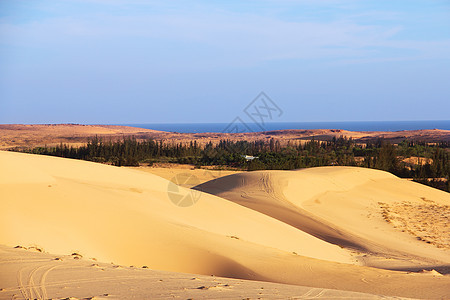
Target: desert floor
(43,276)
(90,230)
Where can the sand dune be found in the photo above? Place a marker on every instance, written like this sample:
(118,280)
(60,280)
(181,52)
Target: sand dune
(350,207)
(128,217)
(102,205)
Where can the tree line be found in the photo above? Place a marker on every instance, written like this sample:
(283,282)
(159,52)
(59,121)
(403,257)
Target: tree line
(271,155)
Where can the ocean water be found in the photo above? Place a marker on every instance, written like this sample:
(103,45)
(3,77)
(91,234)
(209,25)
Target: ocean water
(239,126)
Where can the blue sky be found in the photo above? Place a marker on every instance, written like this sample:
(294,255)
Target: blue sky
(136,61)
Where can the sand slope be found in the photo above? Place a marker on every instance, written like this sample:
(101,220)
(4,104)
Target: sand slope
(127,217)
(47,276)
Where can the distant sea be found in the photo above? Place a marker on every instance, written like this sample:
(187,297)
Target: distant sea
(352,126)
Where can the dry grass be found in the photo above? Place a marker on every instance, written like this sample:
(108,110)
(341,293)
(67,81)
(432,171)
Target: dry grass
(428,222)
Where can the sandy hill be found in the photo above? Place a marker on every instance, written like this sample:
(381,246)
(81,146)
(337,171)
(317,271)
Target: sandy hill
(135,218)
(362,209)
